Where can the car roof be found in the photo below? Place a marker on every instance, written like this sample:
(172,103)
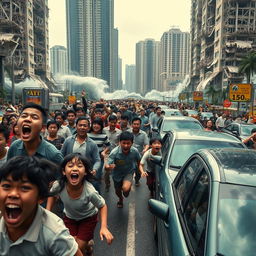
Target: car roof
(186,118)
(243,124)
(203,135)
(236,166)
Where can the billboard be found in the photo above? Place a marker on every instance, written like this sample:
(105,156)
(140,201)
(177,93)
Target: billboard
(198,96)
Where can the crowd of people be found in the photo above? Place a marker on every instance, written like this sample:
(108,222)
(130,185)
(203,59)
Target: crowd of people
(58,161)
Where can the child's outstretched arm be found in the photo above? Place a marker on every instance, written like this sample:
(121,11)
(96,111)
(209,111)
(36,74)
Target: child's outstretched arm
(50,202)
(104,232)
(142,172)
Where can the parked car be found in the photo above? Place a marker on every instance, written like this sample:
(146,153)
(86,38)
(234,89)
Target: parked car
(192,113)
(205,115)
(241,130)
(167,124)
(172,112)
(208,207)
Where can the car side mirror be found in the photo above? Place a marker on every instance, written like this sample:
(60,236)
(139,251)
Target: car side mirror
(156,159)
(159,209)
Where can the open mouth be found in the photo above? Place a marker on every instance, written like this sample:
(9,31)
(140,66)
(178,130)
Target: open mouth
(26,130)
(13,211)
(74,176)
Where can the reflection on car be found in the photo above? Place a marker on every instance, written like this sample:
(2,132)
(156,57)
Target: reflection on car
(208,207)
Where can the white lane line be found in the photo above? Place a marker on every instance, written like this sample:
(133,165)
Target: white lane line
(130,245)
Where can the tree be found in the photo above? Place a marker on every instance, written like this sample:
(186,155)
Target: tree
(212,93)
(248,66)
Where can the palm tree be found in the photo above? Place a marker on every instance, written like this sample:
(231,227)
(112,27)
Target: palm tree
(248,66)
(212,93)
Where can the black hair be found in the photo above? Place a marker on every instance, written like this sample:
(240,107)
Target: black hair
(157,108)
(125,117)
(112,118)
(82,118)
(87,164)
(5,132)
(126,136)
(38,107)
(98,110)
(152,140)
(39,172)
(70,111)
(52,122)
(136,119)
(10,116)
(63,116)
(98,121)
(253,130)
(79,109)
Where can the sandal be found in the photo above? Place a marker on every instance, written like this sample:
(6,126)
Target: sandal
(120,204)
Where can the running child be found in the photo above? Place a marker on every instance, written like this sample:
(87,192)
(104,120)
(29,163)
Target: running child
(25,227)
(147,167)
(123,161)
(81,202)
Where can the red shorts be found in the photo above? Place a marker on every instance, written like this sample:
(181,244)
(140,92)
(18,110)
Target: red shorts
(151,179)
(82,229)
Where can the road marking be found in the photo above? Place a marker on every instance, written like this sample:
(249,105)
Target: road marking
(130,245)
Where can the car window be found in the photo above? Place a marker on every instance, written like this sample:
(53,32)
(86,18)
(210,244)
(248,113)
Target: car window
(196,211)
(184,183)
(166,145)
(229,127)
(235,128)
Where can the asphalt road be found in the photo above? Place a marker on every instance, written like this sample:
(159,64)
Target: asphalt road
(131,226)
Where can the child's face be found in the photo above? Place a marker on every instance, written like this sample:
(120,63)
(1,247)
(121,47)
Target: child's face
(126,146)
(30,124)
(75,172)
(156,146)
(18,203)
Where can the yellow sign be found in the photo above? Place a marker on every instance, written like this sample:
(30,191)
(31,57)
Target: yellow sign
(34,93)
(182,96)
(198,96)
(240,92)
(72,99)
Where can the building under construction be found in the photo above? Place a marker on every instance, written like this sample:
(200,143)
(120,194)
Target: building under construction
(26,23)
(222,33)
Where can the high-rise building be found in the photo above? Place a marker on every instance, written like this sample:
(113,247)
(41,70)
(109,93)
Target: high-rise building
(90,25)
(147,66)
(120,71)
(174,58)
(115,59)
(27,21)
(58,56)
(130,78)
(222,33)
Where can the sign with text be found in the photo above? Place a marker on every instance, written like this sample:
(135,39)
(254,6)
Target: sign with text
(198,96)
(240,92)
(71,99)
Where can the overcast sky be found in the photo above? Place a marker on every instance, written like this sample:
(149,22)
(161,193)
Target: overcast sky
(135,19)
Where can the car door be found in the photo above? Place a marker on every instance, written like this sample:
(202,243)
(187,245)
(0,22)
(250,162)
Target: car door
(193,204)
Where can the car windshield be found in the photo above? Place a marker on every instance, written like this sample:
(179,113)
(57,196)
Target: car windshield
(183,149)
(236,220)
(192,112)
(180,124)
(246,129)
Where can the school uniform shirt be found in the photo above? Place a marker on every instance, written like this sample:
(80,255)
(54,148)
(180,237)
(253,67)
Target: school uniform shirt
(47,235)
(85,206)
(45,150)
(148,165)
(125,164)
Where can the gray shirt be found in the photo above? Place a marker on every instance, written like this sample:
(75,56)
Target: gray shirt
(140,140)
(125,164)
(113,136)
(154,121)
(148,165)
(47,235)
(64,131)
(83,207)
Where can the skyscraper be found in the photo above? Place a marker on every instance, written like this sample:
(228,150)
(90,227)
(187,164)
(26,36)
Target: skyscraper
(222,33)
(147,65)
(130,78)
(120,71)
(174,58)
(28,22)
(115,60)
(90,25)
(58,56)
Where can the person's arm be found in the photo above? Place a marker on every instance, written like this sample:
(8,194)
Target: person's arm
(142,172)
(78,253)
(249,138)
(95,159)
(104,232)
(50,202)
